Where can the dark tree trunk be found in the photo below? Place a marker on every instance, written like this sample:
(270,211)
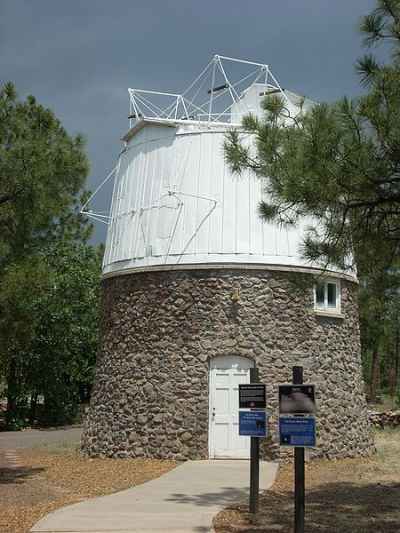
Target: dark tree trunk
(32,410)
(85,390)
(12,392)
(6,198)
(397,357)
(375,375)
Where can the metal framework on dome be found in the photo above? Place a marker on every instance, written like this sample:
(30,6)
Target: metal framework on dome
(212,98)
(209,98)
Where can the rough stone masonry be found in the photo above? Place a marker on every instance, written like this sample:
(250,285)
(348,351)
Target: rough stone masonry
(160,330)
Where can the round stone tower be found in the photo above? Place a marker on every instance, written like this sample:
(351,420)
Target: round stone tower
(197,289)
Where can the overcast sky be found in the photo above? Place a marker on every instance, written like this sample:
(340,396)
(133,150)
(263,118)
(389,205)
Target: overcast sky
(78,57)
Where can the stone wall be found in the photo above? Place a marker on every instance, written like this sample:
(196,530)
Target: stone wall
(160,329)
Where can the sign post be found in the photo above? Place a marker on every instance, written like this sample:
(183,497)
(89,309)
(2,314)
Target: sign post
(299,474)
(296,399)
(252,395)
(253,424)
(254,459)
(297,429)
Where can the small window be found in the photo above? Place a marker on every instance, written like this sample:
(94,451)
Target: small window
(327,296)
(320,295)
(331,294)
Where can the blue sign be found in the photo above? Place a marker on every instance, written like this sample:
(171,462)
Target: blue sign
(297,431)
(252,424)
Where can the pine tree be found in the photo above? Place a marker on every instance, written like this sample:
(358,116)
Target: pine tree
(42,176)
(338,163)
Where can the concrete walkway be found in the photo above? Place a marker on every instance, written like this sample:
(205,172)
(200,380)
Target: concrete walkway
(184,500)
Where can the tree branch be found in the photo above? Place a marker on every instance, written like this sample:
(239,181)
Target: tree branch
(6,198)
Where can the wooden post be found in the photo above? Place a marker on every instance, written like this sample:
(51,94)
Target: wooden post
(254,459)
(299,474)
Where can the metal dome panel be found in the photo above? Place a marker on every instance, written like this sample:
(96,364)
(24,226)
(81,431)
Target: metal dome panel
(176,204)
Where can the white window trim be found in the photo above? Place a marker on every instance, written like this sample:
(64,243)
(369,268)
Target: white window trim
(325,310)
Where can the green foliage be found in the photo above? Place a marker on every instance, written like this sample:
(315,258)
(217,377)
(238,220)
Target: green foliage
(49,277)
(380,320)
(42,173)
(382,24)
(66,338)
(49,328)
(339,165)
(20,285)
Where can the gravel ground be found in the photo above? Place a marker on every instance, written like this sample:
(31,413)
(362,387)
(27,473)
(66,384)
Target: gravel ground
(351,495)
(57,476)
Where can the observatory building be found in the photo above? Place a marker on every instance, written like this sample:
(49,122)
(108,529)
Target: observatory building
(197,289)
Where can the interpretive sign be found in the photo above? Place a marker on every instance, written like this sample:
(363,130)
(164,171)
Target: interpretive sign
(297,431)
(296,399)
(252,424)
(252,396)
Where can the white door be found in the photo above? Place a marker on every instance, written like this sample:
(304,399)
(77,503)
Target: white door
(226,372)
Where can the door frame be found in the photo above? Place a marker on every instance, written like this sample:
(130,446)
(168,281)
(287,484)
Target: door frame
(211,447)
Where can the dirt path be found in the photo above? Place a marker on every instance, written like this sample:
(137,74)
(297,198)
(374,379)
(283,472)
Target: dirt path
(31,438)
(9,459)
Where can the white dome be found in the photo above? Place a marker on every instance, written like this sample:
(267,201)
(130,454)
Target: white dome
(176,204)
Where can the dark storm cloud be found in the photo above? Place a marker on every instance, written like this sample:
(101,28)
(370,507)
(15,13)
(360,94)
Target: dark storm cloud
(79,57)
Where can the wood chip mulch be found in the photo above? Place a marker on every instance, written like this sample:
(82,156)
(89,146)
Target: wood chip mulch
(343,496)
(47,481)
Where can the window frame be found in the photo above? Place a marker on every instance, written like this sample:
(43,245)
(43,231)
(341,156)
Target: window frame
(326,309)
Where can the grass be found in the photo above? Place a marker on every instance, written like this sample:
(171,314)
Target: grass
(56,475)
(388,451)
(387,403)
(349,495)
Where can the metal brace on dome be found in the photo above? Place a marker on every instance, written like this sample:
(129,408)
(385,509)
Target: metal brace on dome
(192,105)
(207,100)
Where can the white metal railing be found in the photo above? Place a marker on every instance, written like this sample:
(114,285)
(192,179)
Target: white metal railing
(208,99)
(192,105)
